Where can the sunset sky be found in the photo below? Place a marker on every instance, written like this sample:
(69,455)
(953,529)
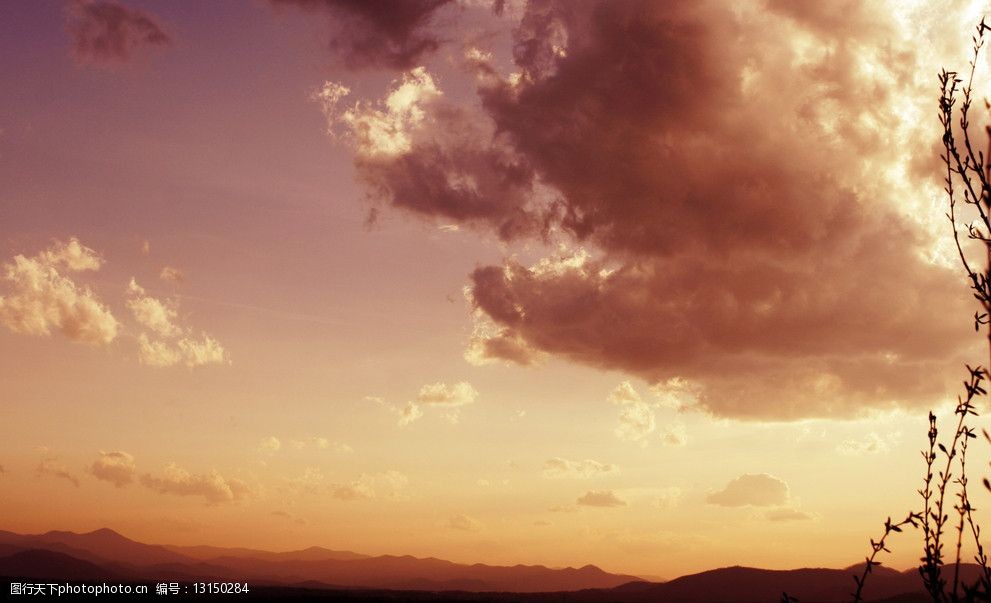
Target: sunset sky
(656,286)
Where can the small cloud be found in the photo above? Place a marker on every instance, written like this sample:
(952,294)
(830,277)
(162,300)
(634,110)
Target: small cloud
(557,468)
(392,483)
(787,514)
(483,483)
(541,523)
(600,498)
(563,509)
(145,247)
(116,467)
(674,435)
(409,413)
(464,523)
(172,275)
(449,228)
(356,490)
(325,444)
(105,33)
(872,444)
(758,490)
(270,444)
(211,486)
(449,398)
(50,465)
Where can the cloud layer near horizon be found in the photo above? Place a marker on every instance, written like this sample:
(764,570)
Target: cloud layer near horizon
(736,183)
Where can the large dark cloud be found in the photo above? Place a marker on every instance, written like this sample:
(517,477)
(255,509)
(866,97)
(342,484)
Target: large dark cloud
(741,178)
(378,33)
(105,32)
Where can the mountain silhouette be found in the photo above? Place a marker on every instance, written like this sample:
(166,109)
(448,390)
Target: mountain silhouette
(107,555)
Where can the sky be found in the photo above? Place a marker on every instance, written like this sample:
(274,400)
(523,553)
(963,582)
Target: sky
(660,287)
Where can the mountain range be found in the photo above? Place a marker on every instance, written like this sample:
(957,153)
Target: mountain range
(104,555)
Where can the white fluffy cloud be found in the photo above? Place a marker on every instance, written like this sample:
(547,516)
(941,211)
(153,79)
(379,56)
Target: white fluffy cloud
(384,131)
(448,398)
(40,298)
(212,486)
(752,489)
(165,343)
(116,467)
(151,312)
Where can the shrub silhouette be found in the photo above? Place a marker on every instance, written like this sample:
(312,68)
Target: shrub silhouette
(945,481)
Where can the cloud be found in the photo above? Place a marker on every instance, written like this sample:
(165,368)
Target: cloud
(872,444)
(151,312)
(270,444)
(636,418)
(464,523)
(172,275)
(39,298)
(356,490)
(758,490)
(169,344)
(674,435)
(105,33)
(392,483)
(449,398)
(563,509)
(556,468)
(212,486)
(490,343)
(116,467)
(50,465)
(324,443)
(764,246)
(377,33)
(600,498)
(71,256)
(432,158)
(788,514)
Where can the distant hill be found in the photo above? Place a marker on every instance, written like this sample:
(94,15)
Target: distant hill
(123,556)
(42,564)
(314,553)
(318,572)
